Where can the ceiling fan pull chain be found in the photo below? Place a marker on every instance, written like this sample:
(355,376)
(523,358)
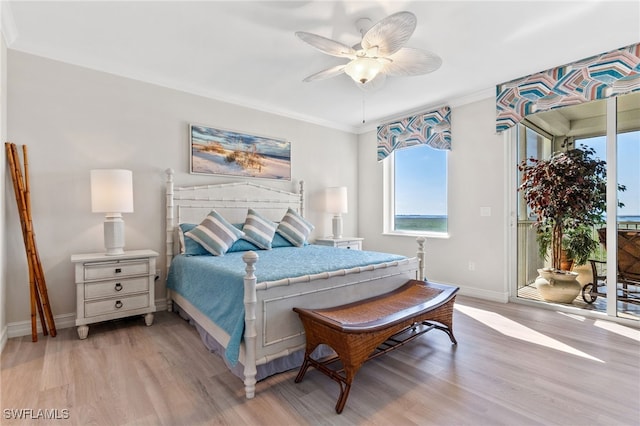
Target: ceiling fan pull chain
(363,108)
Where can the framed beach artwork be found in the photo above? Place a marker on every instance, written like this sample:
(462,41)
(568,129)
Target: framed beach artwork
(225,152)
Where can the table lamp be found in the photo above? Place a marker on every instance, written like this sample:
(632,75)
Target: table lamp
(112,194)
(336,204)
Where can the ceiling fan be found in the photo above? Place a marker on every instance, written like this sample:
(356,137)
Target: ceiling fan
(379,54)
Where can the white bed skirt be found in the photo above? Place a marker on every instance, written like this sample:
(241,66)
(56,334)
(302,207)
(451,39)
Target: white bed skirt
(278,365)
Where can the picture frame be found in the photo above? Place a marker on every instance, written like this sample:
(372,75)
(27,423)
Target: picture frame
(215,151)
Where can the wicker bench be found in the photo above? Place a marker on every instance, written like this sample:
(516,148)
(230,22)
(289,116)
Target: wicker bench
(363,330)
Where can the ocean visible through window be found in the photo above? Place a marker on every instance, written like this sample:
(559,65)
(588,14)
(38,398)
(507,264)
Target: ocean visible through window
(628,154)
(420,189)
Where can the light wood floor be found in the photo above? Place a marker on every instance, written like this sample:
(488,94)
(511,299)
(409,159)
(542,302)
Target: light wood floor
(514,365)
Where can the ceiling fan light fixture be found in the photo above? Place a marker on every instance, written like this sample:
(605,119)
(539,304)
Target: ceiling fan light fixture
(364,69)
(379,54)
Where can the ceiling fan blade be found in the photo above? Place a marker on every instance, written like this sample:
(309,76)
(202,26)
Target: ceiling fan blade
(324,74)
(408,61)
(390,34)
(326,45)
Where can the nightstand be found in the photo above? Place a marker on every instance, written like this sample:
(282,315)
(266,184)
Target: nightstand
(114,286)
(352,243)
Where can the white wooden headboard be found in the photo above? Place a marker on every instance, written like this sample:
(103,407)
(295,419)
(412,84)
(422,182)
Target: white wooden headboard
(191,204)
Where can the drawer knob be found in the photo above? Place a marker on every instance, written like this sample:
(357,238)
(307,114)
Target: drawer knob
(118,304)
(118,287)
(118,270)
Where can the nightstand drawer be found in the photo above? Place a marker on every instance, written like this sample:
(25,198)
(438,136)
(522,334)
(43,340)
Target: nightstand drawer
(102,270)
(116,287)
(110,306)
(353,245)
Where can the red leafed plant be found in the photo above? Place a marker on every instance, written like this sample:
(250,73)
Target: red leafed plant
(567,195)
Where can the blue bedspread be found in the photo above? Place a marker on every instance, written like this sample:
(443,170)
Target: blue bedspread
(215,284)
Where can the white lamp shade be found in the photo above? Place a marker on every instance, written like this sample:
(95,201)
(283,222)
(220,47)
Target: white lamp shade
(336,200)
(362,70)
(111,191)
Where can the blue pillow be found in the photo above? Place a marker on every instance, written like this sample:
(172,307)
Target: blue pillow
(242,245)
(279,241)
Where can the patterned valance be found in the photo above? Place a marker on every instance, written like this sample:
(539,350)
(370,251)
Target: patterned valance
(432,128)
(599,77)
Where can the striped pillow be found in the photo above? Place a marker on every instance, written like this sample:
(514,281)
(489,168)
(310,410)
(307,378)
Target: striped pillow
(258,230)
(215,234)
(294,228)
(188,246)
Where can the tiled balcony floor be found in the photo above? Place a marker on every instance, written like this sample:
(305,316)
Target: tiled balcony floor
(627,310)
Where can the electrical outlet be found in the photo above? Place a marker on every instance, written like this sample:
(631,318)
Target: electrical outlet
(472,266)
(158,274)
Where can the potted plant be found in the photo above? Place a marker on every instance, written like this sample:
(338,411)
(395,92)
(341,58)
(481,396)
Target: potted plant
(578,245)
(567,196)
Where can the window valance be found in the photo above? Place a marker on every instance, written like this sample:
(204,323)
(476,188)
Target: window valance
(599,77)
(432,128)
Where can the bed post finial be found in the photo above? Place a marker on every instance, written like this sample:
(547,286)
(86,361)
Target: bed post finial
(421,255)
(250,334)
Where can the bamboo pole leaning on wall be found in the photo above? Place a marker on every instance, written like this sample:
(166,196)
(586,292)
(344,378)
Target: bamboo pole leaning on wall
(39,298)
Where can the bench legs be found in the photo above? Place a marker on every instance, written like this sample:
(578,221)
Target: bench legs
(350,367)
(345,384)
(447,328)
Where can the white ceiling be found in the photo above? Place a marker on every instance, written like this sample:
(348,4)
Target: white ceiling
(245,52)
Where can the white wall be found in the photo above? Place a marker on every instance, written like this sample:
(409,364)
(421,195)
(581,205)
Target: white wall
(476,179)
(3,162)
(73,120)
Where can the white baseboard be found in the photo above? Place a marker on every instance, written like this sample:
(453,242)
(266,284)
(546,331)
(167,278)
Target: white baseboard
(494,296)
(23,328)
(161,305)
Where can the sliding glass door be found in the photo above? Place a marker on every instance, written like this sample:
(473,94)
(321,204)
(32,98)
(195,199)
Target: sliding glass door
(627,225)
(611,128)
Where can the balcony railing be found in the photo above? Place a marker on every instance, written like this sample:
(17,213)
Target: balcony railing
(529,260)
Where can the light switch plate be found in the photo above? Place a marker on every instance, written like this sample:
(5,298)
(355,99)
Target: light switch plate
(485,211)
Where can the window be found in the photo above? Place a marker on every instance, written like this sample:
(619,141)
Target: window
(416,190)
(531,144)
(628,150)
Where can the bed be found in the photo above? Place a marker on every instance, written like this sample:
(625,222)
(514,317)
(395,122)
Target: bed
(256,332)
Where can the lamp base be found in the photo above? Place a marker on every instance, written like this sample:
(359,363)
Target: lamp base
(337,226)
(114,234)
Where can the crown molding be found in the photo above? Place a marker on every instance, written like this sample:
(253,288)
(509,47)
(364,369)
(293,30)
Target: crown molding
(453,103)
